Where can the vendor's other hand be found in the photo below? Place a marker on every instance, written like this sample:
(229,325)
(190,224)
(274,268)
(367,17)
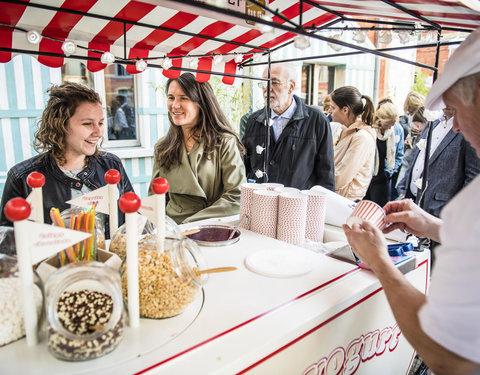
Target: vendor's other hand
(406,215)
(367,242)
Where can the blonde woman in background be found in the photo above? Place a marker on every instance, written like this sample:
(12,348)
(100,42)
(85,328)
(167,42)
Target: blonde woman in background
(355,150)
(389,155)
(412,103)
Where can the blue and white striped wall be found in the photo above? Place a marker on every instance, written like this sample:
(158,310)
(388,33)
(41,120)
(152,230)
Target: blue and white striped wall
(23,85)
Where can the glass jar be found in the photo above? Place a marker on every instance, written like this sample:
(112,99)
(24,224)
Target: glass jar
(99,223)
(84,311)
(168,281)
(147,233)
(11,311)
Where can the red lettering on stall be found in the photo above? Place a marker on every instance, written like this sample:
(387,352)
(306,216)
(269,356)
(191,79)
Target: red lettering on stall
(361,349)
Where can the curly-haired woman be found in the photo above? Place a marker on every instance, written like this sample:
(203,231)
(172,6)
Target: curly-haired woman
(68,136)
(201,155)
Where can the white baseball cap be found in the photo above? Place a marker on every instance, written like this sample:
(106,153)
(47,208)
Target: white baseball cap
(464,61)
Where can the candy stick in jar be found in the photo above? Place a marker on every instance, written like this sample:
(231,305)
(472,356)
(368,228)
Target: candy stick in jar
(129,203)
(18,210)
(112,178)
(160,187)
(36,180)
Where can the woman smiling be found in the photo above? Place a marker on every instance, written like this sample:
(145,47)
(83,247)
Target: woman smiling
(201,156)
(68,137)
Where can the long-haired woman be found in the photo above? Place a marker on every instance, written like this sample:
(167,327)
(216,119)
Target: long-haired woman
(68,138)
(355,149)
(201,155)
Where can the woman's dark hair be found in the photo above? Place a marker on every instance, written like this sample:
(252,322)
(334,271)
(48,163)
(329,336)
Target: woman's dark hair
(212,125)
(62,104)
(349,96)
(383,101)
(418,116)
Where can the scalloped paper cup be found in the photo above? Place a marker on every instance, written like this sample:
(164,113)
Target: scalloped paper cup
(272,185)
(264,212)
(368,211)
(287,190)
(316,208)
(292,217)
(246,197)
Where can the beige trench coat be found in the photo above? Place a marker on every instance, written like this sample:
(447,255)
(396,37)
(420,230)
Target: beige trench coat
(354,160)
(203,187)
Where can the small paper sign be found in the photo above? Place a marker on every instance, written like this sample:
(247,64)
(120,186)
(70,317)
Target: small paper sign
(147,208)
(99,195)
(46,240)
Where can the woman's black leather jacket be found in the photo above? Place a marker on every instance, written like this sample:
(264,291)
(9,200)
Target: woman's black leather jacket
(56,190)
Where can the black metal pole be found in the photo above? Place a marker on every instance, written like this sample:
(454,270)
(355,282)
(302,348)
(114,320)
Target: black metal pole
(429,133)
(267,125)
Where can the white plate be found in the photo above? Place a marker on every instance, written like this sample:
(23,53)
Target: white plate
(280,263)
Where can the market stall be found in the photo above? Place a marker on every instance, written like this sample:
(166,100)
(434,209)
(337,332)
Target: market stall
(333,316)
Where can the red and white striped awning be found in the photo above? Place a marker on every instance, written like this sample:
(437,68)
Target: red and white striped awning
(154,26)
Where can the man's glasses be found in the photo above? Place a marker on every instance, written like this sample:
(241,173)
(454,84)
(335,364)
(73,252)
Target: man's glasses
(274,83)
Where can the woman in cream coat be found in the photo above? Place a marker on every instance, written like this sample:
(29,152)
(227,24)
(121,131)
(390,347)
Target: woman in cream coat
(201,156)
(355,150)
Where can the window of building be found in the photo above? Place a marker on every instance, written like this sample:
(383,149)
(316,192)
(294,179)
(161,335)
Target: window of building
(75,71)
(116,86)
(121,108)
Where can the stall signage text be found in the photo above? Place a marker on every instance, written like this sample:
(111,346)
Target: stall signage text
(346,361)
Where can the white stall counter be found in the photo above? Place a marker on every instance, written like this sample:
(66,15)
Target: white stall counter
(331,319)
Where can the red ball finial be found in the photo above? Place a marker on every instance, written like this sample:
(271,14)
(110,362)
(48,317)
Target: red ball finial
(36,180)
(112,176)
(160,185)
(17,209)
(129,202)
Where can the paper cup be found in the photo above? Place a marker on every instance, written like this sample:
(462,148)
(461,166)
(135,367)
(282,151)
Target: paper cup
(292,216)
(316,208)
(264,212)
(287,190)
(272,185)
(246,197)
(368,211)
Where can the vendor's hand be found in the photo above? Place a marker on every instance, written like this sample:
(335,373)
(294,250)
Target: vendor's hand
(368,243)
(408,216)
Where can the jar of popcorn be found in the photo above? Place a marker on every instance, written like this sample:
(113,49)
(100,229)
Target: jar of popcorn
(11,311)
(84,311)
(146,235)
(168,280)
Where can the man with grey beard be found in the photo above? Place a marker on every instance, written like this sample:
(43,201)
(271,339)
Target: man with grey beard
(300,147)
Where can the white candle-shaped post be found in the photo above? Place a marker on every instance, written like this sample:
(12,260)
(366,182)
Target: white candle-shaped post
(129,203)
(36,180)
(112,178)
(160,187)
(18,210)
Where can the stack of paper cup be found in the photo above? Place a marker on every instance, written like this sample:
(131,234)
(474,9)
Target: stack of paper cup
(272,185)
(287,190)
(316,208)
(246,197)
(264,212)
(292,215)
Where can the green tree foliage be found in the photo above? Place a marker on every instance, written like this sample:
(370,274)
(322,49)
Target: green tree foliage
(420,83)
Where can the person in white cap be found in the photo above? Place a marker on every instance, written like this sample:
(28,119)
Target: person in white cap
(443,327)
